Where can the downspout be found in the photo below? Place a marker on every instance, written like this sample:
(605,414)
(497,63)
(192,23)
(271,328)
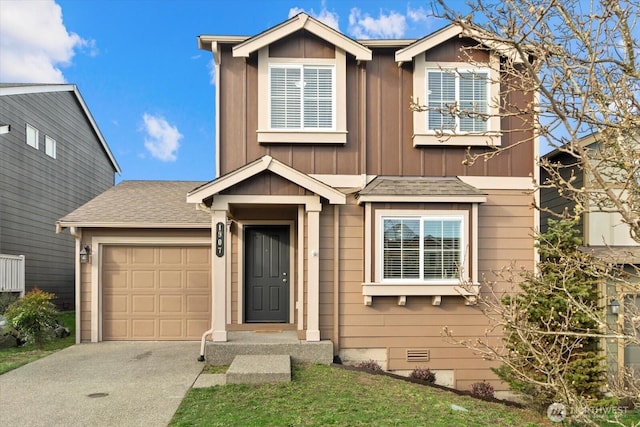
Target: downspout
(77,235)
(204,207)
(336,279)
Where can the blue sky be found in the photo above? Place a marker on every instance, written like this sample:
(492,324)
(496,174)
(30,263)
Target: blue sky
(137,65)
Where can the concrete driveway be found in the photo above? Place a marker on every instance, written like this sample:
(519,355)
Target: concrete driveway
(102,384)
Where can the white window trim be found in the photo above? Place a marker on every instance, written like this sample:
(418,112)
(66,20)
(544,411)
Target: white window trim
(338,135)
(421,136)
(404,288)
(383,214)
(50,146)
(26,134)
(301,67)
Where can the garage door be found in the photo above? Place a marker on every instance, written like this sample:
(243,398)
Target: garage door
(155,293)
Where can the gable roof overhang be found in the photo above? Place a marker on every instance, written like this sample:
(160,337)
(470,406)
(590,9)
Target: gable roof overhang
(388,189)
(424,44)
(265,163)
(23,89)
(306,22)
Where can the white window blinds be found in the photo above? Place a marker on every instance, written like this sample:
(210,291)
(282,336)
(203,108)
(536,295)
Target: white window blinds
(457,100)
(301,97)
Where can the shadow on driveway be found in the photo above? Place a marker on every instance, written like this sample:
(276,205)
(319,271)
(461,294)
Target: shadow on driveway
(101,384)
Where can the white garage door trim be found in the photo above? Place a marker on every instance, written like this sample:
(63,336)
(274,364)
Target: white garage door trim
(97,244)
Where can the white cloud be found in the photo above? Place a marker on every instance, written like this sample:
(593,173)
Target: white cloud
(364,26)
(162,139)
(418,15)
(325,16)
(34,43)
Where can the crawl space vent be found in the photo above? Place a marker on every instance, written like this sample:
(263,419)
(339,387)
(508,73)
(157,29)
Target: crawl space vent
(417,355)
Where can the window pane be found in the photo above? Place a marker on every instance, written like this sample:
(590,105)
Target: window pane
(32,136)
(401,249)
(50,146)
(318,98)
(473,101)
(441,95)
(442,249)
(285,97)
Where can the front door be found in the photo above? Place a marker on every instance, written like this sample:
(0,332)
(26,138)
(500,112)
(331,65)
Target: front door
(266,274)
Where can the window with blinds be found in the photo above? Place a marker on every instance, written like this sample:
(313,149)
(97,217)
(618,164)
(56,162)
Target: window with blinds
(422,248)
(457,100)
(301,97)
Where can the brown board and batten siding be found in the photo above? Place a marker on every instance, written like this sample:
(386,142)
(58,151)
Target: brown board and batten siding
(239,118)
(506,216)
(379,122)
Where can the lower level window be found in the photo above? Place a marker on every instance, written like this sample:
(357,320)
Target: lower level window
(422,248)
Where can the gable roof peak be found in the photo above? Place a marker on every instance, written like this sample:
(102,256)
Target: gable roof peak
(450,31)
(308,23)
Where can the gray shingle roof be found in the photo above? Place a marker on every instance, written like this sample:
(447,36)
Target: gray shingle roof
(419,186)
(140,204)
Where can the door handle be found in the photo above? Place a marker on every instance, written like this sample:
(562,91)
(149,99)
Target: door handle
(284,280)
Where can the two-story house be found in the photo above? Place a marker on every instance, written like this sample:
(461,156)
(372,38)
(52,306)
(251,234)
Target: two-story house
(337,211)
(53,158)
(605,236)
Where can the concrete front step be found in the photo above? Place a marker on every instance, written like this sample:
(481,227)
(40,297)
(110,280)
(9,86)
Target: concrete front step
(252,343)
(259,369)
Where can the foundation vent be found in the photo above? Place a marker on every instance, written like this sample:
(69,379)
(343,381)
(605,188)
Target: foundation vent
(417,355)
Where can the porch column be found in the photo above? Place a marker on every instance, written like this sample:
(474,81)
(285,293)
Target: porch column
(219,274)
(313,272)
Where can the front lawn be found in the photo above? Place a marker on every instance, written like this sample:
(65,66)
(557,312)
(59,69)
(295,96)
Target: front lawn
(321,395)
(12,358)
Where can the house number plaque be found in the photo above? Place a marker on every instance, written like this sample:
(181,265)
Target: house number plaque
(220,239)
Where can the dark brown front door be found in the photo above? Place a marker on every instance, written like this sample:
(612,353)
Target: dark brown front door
(266,274)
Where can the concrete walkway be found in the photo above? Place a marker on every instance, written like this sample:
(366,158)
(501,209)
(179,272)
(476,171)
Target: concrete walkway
(103,384)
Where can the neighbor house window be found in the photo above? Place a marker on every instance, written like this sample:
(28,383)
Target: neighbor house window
(32,136)
(457,100)
(302,97)
(422,248)
(50,146)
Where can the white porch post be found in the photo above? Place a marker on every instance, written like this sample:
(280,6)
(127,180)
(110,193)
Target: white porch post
(313,271)
(219,275)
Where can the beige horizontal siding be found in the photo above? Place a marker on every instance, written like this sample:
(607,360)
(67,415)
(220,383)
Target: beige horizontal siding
(504,236)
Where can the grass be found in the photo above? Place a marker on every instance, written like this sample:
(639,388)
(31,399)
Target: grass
(321,395)
(12,358)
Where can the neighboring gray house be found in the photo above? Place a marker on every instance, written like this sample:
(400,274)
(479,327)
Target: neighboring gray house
(53,159)
(605,236)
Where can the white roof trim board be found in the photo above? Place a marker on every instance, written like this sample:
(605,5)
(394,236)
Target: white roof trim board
(424,44)
(298,22)
(266,163)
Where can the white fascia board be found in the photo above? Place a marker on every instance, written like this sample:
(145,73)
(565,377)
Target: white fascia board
(408,53)
(420,199)
(258,166)
(61,225)
(296,23)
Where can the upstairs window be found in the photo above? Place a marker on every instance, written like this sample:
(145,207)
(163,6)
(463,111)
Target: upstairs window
(50,146)
(302,97)
(422,248)
(32,136)
(457,100)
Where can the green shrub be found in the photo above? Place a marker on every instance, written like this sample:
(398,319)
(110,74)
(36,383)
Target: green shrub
(423,374)
(6,299)
(33,317)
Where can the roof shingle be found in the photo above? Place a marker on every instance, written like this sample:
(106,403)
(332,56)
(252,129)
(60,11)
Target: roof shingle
(140,204)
